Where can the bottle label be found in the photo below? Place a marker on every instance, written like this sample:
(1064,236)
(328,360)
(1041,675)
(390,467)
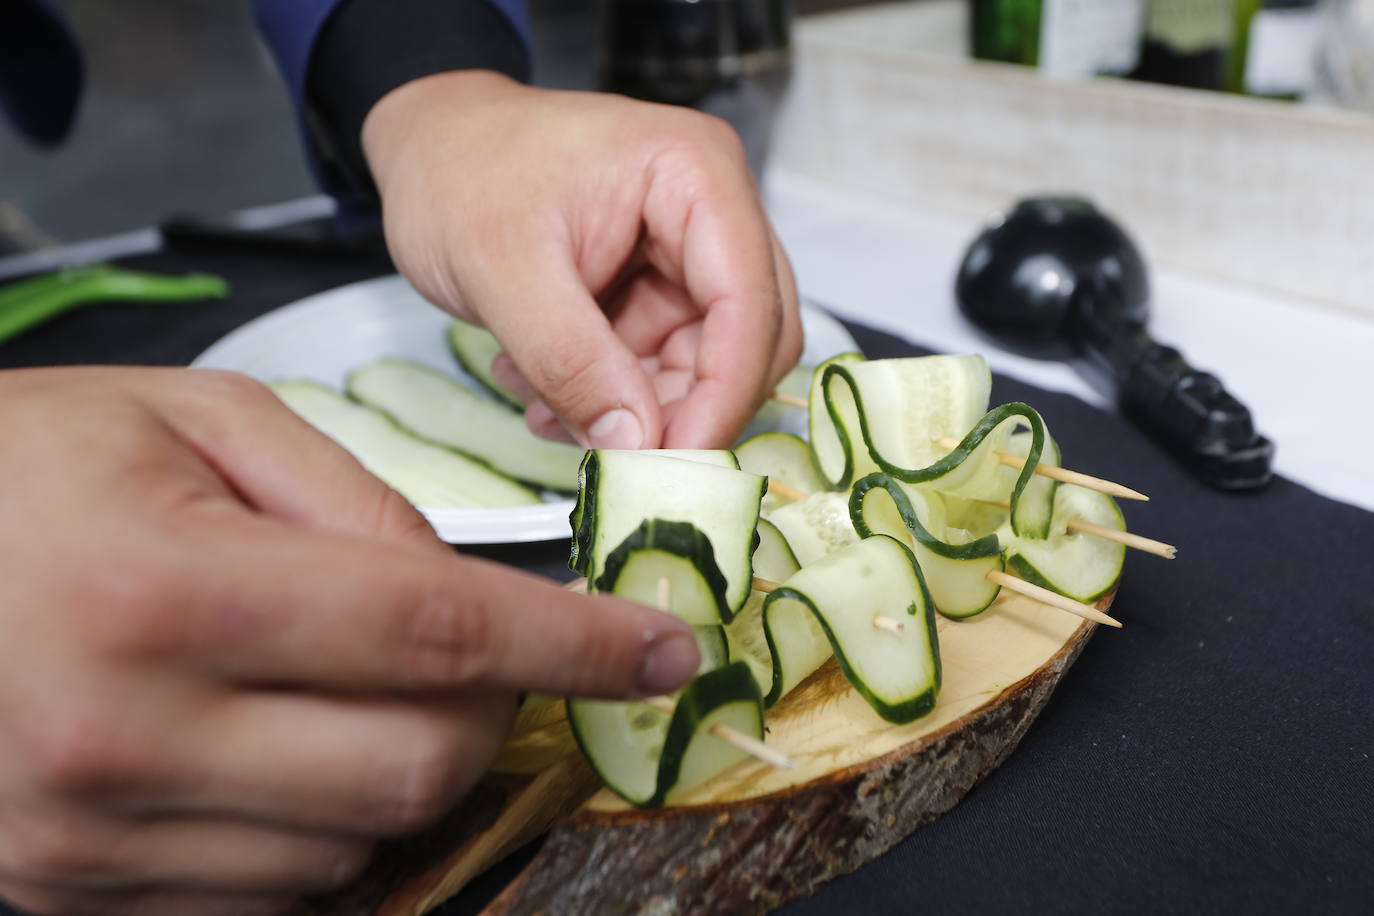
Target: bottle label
(1086,37)
(1281,57)
(1191,26)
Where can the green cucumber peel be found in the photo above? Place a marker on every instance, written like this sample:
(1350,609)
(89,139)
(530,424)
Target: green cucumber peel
(687,754)
(474,348)
(956,574)
(1074,564)
(1027,520)
(671,485)
(832,442)
(987,545)
(676,539)
(919,607)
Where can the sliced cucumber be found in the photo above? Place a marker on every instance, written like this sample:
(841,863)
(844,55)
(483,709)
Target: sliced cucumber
(897,673)
(1032,496)
(425,474)
(619,489)
(833,426)
(436,407)
(888,412)
(773,556)
(719,457)
(647,756)
(782,458)
(475,348)
(1081,566)
(955,573)
(675,553)
(773,560)
(816,526)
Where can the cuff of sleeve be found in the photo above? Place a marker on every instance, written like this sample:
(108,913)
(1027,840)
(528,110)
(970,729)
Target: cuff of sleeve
(369,47)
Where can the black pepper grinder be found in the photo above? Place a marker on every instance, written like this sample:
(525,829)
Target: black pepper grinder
(1057,278)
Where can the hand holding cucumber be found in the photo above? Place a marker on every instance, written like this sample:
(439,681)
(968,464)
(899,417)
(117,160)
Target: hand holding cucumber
(617,249)
(232,659)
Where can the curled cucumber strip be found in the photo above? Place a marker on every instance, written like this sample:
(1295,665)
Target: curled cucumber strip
(956,574)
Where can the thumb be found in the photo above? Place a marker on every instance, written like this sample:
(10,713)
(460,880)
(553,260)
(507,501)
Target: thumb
(563,344)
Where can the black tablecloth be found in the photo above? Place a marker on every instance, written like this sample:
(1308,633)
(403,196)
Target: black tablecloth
(1213,756)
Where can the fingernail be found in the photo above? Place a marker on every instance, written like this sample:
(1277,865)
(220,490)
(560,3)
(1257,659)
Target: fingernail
(671,662)
(617,428)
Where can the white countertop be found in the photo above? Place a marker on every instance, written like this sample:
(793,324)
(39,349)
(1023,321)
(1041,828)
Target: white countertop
(1305,371)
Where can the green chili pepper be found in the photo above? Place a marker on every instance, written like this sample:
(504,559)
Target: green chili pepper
(28,303)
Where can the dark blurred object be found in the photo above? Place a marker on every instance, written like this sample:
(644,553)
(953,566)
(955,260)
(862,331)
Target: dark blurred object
(317,237)
(1061,37)
(730,58)
(1189,43)
(1056,278)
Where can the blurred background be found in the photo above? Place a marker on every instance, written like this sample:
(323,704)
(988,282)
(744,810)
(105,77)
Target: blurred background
(184,111)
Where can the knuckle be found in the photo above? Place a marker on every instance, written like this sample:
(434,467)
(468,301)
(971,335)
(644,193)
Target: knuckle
(233,388)
(394,518)
(75,755)
(427,786)
(58,849)
(567,374)
(453,644)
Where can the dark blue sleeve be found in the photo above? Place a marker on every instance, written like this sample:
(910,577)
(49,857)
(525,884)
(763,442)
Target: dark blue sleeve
(340,56)
(41,69)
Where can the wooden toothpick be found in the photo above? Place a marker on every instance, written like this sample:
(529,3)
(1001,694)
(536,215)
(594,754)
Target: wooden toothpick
(1064,475)
(1053,599)
(791,400)
(763,585)
(890,624)
(881,622)
(732,736)
(1083,526)
(1149,545)
(786,492)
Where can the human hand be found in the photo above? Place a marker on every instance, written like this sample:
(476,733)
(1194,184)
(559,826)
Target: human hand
(617,249)
(232,659)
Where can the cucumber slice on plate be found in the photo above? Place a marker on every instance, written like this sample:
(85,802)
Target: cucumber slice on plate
(475,348)
(618,490)
(897,673)
(955,573)
(782,458)
(425,474)
(677,555)
(887,412)
(441,409)
(1080,566)
(647,756)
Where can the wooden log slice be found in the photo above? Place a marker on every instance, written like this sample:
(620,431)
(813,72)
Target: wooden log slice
(755,837)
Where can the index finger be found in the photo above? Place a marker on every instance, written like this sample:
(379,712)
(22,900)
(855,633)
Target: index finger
(289,606)
(707,231)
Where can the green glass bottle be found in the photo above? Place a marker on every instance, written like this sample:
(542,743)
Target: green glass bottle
(1061,37)
(1188,43)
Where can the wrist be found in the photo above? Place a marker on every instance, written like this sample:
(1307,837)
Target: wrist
(411,109)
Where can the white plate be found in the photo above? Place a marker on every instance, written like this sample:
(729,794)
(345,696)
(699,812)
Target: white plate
(323,337)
